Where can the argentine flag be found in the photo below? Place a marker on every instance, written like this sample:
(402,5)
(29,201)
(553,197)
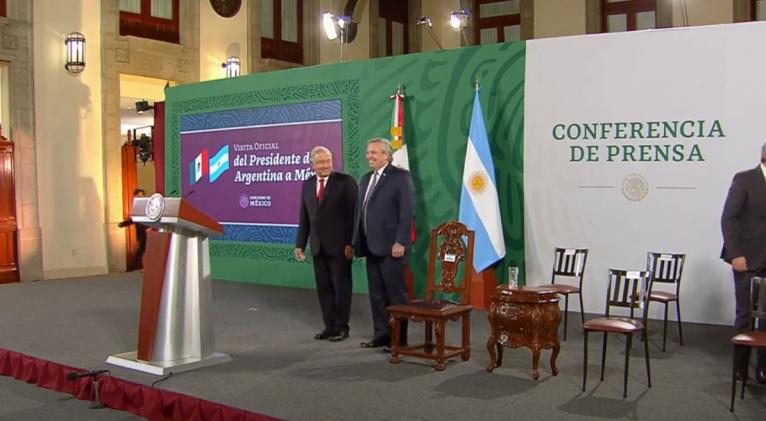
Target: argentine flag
(479,206)
(219,163)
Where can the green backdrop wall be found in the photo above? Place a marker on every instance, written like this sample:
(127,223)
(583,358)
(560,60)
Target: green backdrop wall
(439,90)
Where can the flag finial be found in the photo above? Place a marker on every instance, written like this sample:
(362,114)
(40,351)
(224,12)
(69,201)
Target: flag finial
(477,83)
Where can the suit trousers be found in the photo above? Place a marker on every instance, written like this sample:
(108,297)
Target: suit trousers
(334,287)
(385,277)
(742,319)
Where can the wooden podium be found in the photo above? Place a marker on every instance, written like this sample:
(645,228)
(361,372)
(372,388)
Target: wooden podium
(176,327)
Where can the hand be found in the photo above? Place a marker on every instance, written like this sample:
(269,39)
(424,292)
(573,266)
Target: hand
(739,264)
(348,251)
(299,255)
(397,250)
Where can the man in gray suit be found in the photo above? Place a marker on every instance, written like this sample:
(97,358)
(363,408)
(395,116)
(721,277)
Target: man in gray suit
(385,207)
(743,224)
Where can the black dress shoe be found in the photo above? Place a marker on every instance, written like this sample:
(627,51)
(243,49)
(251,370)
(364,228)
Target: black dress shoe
(339,337)
(760,375)
(325,334)
(386,349)
(373,344)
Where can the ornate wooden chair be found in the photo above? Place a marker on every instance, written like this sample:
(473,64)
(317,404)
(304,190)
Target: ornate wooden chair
(569,263)
(451,248)
(629,290)
(666,269)
(753,338)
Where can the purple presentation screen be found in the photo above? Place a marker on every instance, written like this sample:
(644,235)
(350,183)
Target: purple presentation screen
(245,168)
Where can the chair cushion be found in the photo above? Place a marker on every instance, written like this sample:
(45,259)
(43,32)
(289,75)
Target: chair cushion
(563,288)
(614,324)
(663,296)
(430,306)
(752,338)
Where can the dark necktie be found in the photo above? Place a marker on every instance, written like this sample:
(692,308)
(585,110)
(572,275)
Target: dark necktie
(320,193)
(368,193)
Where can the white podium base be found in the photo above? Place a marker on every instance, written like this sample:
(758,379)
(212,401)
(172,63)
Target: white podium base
(130,360)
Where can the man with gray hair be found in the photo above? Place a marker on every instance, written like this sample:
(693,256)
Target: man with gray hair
(743,224)
(382,233)
(327,223)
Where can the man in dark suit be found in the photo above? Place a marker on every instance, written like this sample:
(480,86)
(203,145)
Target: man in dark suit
(326,220)
(743,224)
(382,233)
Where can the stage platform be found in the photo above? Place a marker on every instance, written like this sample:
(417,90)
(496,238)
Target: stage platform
(278,369)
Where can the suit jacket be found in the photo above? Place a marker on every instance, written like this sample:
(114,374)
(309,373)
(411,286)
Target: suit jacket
(390,211)
(328,226)
(743,221)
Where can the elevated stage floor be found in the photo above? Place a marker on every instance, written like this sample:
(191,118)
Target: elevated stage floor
(278,369)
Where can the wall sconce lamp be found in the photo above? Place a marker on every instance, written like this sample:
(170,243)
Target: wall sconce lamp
(232,66)
(459,20)
(425,21)
(75,52)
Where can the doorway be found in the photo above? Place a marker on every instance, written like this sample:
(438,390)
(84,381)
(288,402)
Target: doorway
(138,96)
(9,237)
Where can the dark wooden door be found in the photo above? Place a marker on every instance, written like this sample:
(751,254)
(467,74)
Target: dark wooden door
(9,268)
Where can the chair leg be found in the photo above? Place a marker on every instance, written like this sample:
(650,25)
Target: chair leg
(734,380)
(585,360)
(648,368)
(428,347)
(665,328)
(628,343)
(678,313)
(582,309)
(603,357)
(466,344)
(441,362)
(566,314)
(744,383)
(394,326)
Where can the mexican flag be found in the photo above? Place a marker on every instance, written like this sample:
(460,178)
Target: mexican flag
(400,157)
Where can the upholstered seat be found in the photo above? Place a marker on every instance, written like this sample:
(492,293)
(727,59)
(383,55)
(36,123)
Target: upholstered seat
(627,289)
(614,324)
(446,307)
(451,247)
(663,296)
(752,339)
(563,288)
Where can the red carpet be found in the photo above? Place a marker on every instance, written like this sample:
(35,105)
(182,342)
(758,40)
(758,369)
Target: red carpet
(116,393)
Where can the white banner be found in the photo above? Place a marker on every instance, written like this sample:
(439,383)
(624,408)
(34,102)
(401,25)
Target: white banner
(631,142)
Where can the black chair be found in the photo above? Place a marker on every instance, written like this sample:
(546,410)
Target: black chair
(753,338)
(628,289)
(666,269)
(569,263)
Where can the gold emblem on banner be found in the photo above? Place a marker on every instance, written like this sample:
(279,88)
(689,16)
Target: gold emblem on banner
(478,182)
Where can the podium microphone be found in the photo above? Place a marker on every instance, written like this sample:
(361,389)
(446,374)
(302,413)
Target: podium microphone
(93,373)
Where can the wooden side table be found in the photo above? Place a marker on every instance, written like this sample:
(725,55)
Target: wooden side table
(527,316)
